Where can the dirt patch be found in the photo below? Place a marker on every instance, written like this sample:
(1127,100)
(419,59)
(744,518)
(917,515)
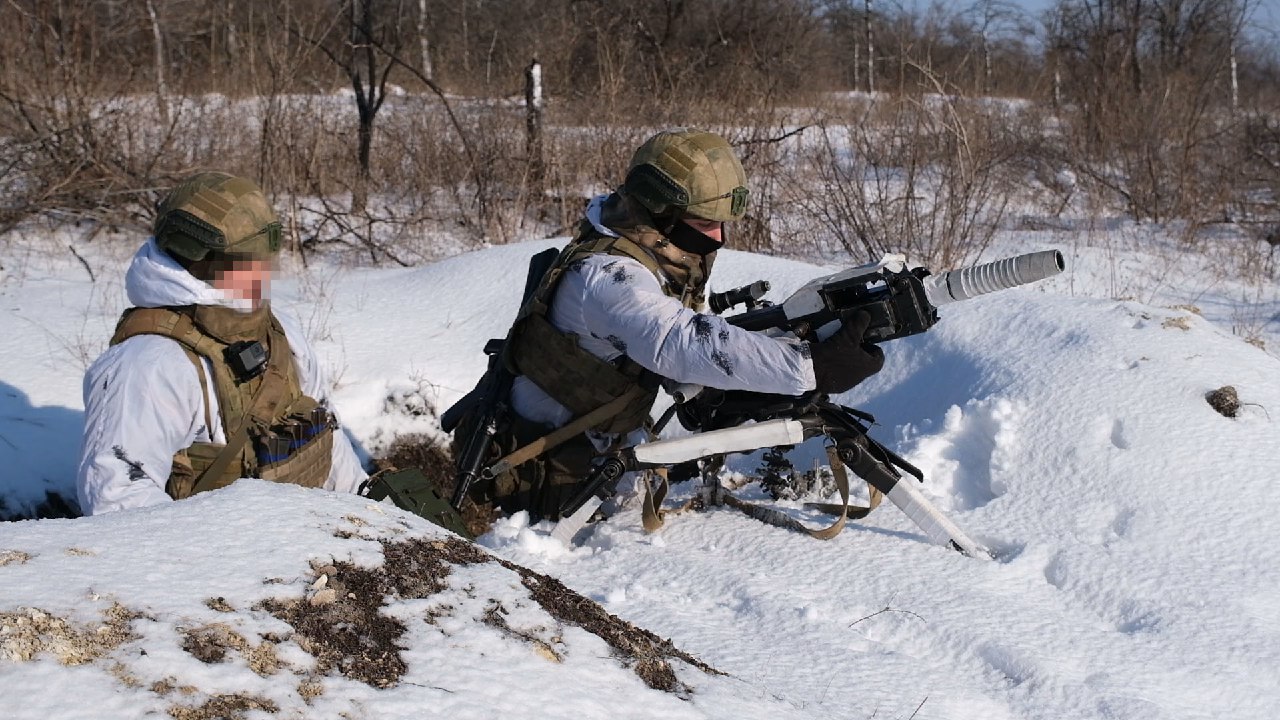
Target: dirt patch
(210,643)
(13,557)
(310,689)
(436,464)
(31,632)
(340,623)
(347,633)
(647,653)
(219,604)
(223,707)
(494,617)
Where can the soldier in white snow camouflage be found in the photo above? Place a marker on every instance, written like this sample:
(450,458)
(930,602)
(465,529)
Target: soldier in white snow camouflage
(203,383)
(623,306)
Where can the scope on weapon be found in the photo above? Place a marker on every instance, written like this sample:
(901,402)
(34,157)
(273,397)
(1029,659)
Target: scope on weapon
(749,294)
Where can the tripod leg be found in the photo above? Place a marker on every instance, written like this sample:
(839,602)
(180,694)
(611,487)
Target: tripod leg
(904,493)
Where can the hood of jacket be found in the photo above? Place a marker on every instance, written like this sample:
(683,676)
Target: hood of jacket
(155,279)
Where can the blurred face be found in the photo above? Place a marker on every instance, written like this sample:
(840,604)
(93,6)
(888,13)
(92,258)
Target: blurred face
(713,229)
(244,278)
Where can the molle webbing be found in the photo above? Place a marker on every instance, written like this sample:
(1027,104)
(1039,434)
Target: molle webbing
(581,381)
(248,408)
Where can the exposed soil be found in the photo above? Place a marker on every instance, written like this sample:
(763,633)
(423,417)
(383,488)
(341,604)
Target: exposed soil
(341,625)
(645,652)
(30,632)
(223,707)
(210,643)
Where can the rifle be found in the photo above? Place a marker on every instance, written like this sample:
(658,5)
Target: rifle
(901,302)
(491,396)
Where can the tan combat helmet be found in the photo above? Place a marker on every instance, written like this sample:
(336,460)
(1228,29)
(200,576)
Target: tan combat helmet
(213,212)
(688,172)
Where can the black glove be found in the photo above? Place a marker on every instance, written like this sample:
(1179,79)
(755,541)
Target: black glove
(844,360)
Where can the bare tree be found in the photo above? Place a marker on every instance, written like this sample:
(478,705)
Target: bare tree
(362,40)
(1143,77)
(871,47)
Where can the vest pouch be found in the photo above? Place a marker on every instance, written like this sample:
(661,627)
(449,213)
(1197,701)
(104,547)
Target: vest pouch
(190,464)
(410,490)
(307,465)
(575,378)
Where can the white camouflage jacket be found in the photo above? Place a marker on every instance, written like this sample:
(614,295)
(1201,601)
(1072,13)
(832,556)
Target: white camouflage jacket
(616,306)
(143,400)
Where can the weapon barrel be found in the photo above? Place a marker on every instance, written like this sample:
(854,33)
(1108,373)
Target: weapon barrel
(967,283)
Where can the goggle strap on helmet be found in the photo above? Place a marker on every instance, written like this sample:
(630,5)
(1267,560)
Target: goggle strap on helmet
(655,189)
(273,231)
(660,193)
(177,226)
(737,206)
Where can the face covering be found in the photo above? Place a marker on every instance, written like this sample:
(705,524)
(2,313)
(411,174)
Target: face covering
(691,240)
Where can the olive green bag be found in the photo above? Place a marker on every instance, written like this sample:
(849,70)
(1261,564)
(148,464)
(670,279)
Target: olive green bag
(410,490)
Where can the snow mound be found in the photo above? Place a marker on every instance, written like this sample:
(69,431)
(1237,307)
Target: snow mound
(310,604)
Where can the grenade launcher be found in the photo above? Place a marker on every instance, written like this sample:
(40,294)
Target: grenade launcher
(901,301)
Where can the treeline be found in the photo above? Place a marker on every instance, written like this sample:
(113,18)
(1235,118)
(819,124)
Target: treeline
(374,119)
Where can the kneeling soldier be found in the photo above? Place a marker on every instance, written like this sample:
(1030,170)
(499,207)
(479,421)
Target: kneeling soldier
(623,306)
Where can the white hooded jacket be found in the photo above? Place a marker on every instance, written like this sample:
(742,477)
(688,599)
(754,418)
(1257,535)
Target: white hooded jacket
(616,306)
(143,400)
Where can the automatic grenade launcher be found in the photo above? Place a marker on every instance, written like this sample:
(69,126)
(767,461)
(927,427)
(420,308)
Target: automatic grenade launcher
(901,301)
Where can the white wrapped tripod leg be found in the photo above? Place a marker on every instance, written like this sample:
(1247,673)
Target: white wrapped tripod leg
(743,438)
(936,526)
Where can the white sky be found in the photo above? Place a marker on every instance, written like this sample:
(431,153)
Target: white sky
(1063,425)
(1266,14)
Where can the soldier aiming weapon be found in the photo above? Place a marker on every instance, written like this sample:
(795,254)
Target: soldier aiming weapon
(898,302)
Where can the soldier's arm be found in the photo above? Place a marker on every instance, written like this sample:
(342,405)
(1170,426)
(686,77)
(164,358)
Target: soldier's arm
(623,304)
(143,403)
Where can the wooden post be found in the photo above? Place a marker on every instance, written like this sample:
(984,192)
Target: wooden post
(162,88)
(871,53)
(533,125)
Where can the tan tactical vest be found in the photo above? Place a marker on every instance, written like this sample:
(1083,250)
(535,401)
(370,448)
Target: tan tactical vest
(269,408)
(574,377)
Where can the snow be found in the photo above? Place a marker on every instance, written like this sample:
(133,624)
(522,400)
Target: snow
(1062,425)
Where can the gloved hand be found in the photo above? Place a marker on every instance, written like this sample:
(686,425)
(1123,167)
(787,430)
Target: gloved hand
(844,360)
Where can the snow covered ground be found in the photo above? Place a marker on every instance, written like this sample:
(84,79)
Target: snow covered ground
(1063,425)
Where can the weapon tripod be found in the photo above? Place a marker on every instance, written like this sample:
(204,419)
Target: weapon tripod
(735,421)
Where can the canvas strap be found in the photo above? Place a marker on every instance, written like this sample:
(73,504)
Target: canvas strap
(562,434)
(263,407)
